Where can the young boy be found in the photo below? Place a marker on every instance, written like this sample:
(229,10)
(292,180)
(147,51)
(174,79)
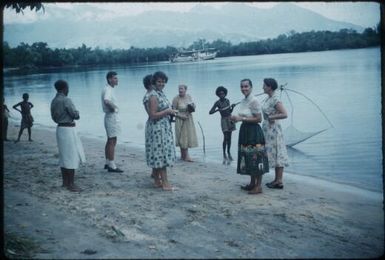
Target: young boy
(225,109)
(26,117)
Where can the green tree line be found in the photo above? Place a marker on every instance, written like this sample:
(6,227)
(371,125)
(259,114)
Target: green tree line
(40,55)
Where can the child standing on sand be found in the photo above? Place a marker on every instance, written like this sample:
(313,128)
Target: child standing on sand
(26,117)
(225,109)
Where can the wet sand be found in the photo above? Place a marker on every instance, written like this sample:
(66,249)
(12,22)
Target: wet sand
(122,215)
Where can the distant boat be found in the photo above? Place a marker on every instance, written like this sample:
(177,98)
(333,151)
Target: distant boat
(194,55)
(207,54)
(183,56)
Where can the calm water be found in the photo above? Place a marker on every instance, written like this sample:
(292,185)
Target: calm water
(344,84)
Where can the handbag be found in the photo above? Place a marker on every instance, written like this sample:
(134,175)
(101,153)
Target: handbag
(190,108)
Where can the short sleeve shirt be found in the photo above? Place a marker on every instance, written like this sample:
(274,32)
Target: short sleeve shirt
(249,106)
(108,93)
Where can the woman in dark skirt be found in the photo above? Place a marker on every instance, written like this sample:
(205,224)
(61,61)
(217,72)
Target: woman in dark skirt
(252,159)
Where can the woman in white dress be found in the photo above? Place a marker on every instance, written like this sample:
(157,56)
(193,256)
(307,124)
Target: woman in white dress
(185,133)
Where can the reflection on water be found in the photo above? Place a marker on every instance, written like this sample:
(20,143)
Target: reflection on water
(344,84)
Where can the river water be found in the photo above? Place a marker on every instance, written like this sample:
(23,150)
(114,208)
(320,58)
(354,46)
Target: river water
(344,84)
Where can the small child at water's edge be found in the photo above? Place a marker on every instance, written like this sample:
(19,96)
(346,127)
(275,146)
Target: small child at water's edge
(225,109)
(26,117)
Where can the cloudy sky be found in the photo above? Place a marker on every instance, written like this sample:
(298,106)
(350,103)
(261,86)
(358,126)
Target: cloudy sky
(366,14)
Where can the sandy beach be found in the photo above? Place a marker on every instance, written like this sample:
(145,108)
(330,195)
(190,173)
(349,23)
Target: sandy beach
(122,215)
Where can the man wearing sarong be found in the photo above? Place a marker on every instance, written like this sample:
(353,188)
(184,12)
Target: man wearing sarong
(71,153)
(111,120)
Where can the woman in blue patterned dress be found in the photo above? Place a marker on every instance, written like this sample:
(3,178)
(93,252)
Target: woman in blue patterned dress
(147,83)
(273,111)
(160,149)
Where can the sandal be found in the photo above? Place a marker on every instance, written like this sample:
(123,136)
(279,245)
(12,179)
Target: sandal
(274,185)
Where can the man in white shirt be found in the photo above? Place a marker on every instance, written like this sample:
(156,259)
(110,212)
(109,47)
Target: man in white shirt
(111,120)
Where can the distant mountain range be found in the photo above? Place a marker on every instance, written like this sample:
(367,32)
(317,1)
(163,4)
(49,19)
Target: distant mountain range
(234,22)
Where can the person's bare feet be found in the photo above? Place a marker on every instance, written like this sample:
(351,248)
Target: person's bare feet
(74,188)
(168,187)
(255,190)
(158,183)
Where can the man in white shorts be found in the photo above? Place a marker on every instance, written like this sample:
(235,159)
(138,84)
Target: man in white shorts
(111,120)
(71,153)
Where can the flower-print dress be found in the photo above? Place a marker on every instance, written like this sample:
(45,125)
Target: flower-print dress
(159,140)
(275,142)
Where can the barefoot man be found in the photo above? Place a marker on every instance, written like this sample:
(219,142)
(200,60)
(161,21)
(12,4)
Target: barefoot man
(71,153)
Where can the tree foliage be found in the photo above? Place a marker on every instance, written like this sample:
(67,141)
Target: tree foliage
(20,6)
(39,55)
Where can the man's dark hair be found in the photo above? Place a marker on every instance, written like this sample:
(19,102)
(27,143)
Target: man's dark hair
(60,85)
(110,74)
(249,80)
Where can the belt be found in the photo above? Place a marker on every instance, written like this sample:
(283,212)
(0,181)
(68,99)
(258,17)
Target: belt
(67,124)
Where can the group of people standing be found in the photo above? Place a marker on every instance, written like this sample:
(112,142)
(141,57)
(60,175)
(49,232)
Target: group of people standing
(64,114)
(259,148)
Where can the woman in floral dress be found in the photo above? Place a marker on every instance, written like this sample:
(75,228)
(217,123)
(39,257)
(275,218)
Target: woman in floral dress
(160,149)
(273,111)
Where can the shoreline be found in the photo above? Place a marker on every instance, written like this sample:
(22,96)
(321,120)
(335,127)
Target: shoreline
(287,173)
(121,215)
